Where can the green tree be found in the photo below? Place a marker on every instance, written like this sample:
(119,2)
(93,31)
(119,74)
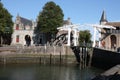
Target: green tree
(49,19)
(84,37)
(6,25)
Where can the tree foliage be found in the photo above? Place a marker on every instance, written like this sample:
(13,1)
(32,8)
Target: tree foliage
(5,20)
(50,18)
(6,24)
(84,36)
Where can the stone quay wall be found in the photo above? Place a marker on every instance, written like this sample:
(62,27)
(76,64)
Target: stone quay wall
(36,54)
(105,59)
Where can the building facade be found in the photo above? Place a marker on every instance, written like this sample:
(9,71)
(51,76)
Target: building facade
(110,38)
(22,27)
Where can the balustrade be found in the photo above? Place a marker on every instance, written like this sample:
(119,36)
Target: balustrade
(113,31)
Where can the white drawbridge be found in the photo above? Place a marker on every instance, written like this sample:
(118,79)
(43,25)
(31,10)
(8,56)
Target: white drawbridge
(71,28)
(75,28)
(98,27)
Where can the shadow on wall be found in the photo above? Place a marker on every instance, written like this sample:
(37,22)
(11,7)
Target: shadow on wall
(105,59)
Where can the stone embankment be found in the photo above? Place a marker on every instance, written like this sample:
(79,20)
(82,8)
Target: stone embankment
(111,74)
(36,54)
(105,59)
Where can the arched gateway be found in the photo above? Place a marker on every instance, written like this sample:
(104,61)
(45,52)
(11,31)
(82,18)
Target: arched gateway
(28,40)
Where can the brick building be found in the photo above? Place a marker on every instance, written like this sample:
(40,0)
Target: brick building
(110,37)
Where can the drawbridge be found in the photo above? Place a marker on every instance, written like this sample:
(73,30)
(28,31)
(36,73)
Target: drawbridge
(60,40)
(72,34)
(70,38)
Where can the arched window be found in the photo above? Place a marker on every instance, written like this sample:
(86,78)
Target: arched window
(113,41)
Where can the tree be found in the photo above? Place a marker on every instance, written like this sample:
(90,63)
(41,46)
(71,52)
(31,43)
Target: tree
(84,37)
(49,19)
(6,25)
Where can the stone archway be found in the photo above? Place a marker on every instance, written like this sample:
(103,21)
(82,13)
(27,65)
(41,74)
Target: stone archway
(113,41)
(28,40)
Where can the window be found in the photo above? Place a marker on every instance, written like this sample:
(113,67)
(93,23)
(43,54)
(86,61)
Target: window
(17,38)
(117,28)
(17,26)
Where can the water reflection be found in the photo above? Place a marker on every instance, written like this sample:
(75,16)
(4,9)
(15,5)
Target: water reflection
(46,72)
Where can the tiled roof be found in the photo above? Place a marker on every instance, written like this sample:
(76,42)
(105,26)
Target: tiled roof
(25,21)
(103,17)
(67,22)
(115,24)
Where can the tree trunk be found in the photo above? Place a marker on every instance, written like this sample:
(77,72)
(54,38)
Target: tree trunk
(1,40)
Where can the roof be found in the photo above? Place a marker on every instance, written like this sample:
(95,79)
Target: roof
(115,24)
(103,17)
(67,22)
(25,21)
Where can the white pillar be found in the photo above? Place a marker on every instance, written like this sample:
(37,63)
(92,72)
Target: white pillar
(94,37)
(75,37)
(99,37)
(69,32)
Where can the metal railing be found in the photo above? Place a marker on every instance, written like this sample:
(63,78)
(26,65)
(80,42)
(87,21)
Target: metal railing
(113,31)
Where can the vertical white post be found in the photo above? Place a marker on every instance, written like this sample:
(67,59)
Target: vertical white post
(75,37)
(69,32)
(100,38)
(94,37)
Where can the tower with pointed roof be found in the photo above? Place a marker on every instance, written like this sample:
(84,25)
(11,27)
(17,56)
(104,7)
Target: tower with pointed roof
(103,19)
(111,37)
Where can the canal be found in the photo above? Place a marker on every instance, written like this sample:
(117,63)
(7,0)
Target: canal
(46,72)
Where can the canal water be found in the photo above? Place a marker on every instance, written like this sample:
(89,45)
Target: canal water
(46,72)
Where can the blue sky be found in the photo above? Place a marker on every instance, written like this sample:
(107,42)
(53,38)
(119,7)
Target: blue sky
(80,11)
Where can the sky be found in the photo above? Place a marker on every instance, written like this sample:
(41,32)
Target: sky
(79,11)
